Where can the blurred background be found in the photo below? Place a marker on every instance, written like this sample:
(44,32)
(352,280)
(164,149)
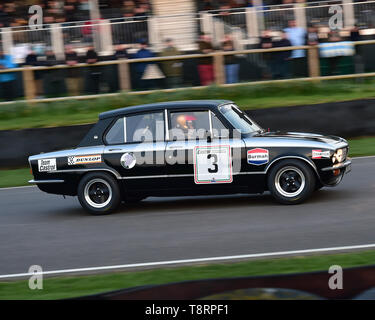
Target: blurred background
(88,46)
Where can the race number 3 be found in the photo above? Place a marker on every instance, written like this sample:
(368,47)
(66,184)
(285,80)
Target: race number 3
(212,164)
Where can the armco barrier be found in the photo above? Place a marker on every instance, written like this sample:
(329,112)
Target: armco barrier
(347,119)
(357,284)
(17,145)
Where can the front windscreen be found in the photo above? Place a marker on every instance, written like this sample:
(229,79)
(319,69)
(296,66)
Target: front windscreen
(239,120)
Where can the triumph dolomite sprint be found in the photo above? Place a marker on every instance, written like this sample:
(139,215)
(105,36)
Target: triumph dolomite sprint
(188,148)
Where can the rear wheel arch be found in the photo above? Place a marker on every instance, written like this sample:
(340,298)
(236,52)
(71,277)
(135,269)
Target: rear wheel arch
(109,172)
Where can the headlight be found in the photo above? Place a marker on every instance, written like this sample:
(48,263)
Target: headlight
(338,156)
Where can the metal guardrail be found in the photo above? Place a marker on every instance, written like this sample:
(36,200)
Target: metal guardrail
(218,61)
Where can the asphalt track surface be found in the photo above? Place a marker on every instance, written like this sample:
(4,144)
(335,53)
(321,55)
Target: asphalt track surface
(55,233)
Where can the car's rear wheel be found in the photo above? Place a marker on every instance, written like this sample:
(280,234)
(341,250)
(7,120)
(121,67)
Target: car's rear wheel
(291,181)
(99,193)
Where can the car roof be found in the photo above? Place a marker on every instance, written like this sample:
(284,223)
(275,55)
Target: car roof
(170,105)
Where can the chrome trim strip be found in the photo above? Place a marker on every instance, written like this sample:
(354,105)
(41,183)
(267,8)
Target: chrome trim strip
(338,166)
(182,175)
(45,181)
(159,176)
(250,172)
(125,137)
(118,176)
(81,151)
(210,120)
(166,125)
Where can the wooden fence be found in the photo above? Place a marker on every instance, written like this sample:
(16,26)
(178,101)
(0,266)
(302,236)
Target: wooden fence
(218,61)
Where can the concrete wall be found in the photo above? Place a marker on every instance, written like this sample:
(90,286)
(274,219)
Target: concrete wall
(16,146)
(346,119)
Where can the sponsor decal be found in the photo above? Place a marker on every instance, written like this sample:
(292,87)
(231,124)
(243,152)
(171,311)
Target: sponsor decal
(319,154)
(84,159)
(47,165)
(258,156)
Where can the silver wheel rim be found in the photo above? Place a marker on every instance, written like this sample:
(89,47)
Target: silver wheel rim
(98,193)
(290,181)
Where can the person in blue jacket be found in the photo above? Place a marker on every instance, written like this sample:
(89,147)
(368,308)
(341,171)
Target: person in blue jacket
(7,80)
(140,67)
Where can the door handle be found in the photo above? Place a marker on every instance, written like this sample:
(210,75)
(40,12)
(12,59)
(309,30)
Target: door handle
(111,150)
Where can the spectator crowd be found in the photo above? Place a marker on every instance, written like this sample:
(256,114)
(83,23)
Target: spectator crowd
(14,13)
(222,5)
(95,79)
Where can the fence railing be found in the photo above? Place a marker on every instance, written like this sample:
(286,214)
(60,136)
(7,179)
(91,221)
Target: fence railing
(218,58)
(251,21)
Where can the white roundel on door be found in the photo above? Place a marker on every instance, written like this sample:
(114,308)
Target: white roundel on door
(212,164)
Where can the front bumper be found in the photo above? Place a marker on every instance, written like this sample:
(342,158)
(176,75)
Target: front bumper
(332,176)
(347,166)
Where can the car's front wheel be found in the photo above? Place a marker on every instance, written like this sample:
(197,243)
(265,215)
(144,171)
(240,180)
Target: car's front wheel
(291,181)
(99,193)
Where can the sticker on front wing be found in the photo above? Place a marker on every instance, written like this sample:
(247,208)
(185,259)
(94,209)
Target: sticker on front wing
(212,164)
(258,156)
(319,154)
(84,159)
(47,165)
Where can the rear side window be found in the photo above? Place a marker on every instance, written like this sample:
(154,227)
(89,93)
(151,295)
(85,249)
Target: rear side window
(116,135)
(147,127)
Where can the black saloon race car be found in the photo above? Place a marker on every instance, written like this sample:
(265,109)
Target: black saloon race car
(188,148)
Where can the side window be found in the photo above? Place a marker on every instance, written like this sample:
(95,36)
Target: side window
(218,129)
(189,125)
(146,127)
(116,134)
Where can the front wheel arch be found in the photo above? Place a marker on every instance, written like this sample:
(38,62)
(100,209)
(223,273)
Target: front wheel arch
(302,159)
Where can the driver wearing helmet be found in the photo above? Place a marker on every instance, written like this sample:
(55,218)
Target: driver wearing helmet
(186,123)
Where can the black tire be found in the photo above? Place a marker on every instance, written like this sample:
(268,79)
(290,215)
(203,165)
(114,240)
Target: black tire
(99,193)
(291,181)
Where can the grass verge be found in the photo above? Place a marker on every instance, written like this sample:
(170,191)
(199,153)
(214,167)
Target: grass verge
(22,115)
(361,147)
(15,177)
(20,177)
(68,287)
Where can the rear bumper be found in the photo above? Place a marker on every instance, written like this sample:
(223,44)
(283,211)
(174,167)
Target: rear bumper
(45,181)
